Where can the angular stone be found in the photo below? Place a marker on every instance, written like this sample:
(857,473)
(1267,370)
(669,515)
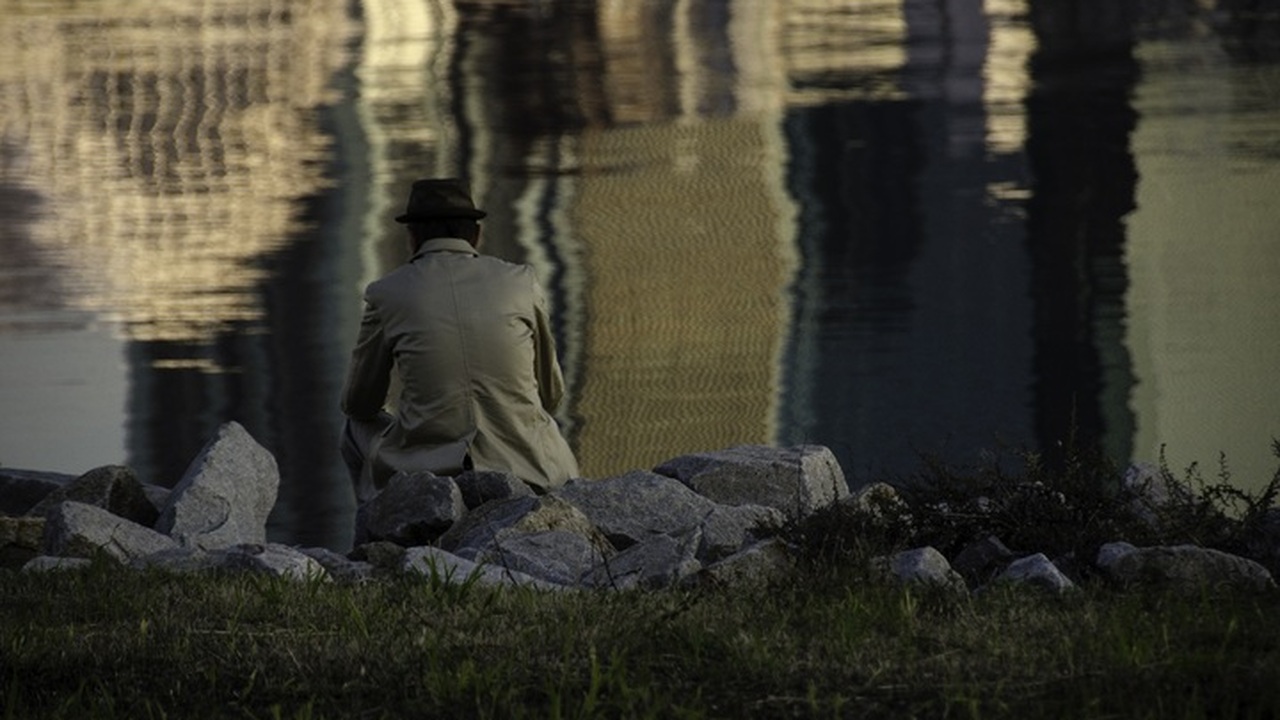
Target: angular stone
(272,559)
(982,560)
(556,556)
(225,495)
(413,509)
(765,562)
(480,486)
(634,507)
(728,529)
(114,488)
(1039,571)
(796,480)
(179,560)
(925,566)
(381,555)
(1111,552)
(341,568)
(658,561)
(74,529)
(20,540)
(1188,567)
(448,569)
(20,490)
(478,529)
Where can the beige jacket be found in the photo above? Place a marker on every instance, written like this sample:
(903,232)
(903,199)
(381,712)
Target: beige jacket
(470,339)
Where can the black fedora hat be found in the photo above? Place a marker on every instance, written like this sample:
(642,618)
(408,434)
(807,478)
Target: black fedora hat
(440,198)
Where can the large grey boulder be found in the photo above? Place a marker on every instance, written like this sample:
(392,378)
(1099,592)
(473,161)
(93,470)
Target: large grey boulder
(1036,570)
(556,556)
(446,568)
(796,480)
(225,495)
(20,490)
(74,529)
(480,486)
(658,561)
(637,506)
(413,509)
(114,488)
(478,529)
(1188,567)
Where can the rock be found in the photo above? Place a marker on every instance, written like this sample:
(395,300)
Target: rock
(480,486)
(556,556)
(272,559)
(796,480)
(179,560)
(982,560)
(924,566)
(1111,552)
(880,501)
(1187,567)
(49,563)
(74,529)
(20,540)
(634,507)
(340,567)
(727,529)
(225,495)
(658,561)
(1036,570)
(20,490)
(114,488)
(413,509)
(448,569)
(763,563)
(385,556)
(478,529)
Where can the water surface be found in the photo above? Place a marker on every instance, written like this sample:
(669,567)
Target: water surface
(891,228)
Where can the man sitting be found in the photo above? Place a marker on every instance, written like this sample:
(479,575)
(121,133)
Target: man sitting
(470,340)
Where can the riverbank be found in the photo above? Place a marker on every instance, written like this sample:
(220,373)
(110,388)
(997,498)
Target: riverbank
(836,637)
(112,643)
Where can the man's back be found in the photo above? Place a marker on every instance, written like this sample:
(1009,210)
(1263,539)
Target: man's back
(470,338)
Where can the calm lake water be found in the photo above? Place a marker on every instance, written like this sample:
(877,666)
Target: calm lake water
(892,228)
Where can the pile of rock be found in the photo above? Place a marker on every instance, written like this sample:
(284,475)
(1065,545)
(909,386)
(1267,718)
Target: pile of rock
(697,518)
(705,518)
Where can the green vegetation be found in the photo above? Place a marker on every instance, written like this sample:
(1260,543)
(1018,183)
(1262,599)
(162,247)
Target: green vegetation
(112,643)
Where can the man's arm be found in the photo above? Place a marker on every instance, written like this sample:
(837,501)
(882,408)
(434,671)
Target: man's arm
(369,374)
(546,366)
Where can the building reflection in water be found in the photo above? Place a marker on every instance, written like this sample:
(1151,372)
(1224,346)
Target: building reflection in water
(174,150)
(886,227)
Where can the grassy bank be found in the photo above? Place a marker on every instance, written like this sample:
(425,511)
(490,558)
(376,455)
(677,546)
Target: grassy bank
(114,644)
(110,643)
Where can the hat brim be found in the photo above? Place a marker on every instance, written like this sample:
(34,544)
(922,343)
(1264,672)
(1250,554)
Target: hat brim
(460,213)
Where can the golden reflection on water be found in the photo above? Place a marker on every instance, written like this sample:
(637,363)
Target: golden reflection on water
(166,146)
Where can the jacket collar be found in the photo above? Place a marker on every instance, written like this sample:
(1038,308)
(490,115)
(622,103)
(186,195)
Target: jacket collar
(435,245)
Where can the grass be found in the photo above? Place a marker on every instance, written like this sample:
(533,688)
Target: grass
(113,643)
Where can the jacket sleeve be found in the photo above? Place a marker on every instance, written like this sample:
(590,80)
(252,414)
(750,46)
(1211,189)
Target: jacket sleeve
(546,364)
(369,374)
